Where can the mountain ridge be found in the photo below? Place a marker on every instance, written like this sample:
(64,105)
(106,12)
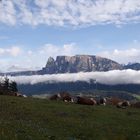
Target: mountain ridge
(79,63)
(75,64)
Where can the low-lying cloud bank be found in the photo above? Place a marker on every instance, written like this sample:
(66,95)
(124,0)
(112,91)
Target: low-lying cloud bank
(110,77)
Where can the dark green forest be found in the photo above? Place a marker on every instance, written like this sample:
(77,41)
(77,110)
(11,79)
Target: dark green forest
(8,87)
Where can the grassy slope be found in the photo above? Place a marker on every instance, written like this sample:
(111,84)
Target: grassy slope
(137,96)
(35,119)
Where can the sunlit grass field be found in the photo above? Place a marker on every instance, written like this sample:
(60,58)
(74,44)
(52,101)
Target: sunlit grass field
(40,119)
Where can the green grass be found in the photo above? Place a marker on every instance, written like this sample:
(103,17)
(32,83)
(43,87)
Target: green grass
(36,119)
(137,96)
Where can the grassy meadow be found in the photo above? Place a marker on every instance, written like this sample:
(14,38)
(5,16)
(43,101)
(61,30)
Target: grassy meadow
(40,119)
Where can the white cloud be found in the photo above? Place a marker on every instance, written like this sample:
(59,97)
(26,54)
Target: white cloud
(123,56)
(111,77)
(16,68)
(7,12)
(53,50)
(29,52)
(70,12)
(13,51)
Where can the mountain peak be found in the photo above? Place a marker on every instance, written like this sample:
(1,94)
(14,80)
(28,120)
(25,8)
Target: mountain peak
(50,61)
(79,63)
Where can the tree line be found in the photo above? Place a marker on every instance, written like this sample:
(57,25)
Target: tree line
(8,87)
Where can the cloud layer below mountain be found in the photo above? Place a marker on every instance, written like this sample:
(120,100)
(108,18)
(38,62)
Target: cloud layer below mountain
(111,77)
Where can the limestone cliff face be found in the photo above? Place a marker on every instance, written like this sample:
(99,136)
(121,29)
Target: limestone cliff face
(79,63)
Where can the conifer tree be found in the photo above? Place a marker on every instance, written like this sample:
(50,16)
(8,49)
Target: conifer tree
(13,86)
(6,83)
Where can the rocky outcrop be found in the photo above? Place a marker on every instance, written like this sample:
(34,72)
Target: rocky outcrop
(79,63)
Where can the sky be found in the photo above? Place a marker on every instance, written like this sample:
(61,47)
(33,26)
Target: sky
(33,30)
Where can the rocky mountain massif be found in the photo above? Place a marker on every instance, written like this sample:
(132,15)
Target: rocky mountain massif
(77,63)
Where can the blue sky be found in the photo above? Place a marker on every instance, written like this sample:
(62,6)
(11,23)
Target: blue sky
(33,30)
